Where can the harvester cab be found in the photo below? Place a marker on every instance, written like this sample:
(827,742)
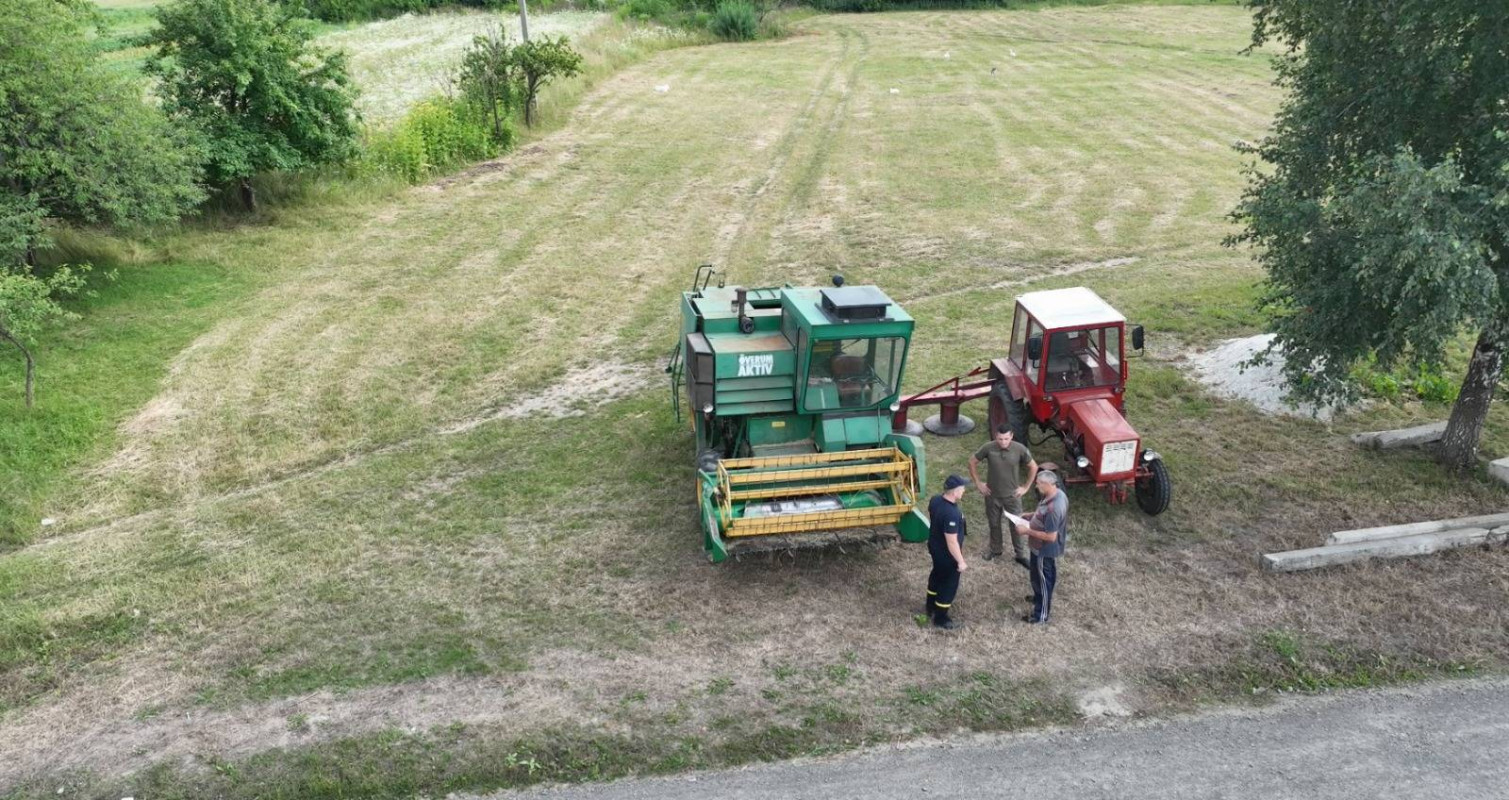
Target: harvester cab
(1066,372)
(790,392)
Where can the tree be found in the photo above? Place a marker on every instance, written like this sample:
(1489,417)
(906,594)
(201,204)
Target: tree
(245,73)
(78,143)
(536,63)
(1382,211)
(27,304)
(487,81)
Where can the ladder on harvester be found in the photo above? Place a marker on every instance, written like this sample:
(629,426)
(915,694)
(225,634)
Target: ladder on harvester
(675,366)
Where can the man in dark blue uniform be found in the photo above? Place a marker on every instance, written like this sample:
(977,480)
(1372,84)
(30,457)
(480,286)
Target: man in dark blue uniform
(945,546)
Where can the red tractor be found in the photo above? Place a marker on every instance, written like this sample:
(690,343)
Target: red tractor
(1066,372)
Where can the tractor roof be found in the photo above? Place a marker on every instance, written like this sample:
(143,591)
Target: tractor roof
(1069,308)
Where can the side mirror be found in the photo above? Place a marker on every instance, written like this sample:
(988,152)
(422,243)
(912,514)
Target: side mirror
(1035,348)
(1139,337)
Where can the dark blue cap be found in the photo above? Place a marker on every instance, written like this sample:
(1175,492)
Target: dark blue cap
(954,482)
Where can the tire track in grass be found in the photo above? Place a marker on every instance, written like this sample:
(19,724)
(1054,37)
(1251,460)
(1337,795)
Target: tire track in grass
(747,223)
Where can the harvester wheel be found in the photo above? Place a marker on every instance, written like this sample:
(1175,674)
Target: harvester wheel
(1012,413)
(1156,490)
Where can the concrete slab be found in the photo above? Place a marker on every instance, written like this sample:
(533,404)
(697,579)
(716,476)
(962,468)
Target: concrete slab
(1399,547)
(1402,437)
(1434,526)
(1499,469)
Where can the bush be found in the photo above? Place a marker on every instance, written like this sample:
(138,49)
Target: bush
(358,10)
(735,21)
(437,136)
(648,10)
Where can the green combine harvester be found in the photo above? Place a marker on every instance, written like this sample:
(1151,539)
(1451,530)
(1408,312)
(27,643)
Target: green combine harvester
(790,392)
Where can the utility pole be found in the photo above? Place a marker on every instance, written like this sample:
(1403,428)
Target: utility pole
(524,18)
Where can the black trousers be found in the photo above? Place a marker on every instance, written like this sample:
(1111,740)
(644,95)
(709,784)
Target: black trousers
(943,581)
(1044,573)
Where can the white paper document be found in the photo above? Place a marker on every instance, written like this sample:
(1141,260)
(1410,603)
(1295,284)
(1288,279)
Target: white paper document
(1014,519)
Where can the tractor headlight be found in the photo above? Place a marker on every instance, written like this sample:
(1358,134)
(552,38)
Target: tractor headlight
(1149,455)
(1082,462)
(707,409)
(895,407)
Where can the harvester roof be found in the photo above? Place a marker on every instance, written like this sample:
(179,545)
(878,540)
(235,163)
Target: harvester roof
(1069,308)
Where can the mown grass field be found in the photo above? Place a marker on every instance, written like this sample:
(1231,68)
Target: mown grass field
(326,552)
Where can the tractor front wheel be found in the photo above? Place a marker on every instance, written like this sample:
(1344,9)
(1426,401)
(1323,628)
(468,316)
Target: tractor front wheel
(1156,489)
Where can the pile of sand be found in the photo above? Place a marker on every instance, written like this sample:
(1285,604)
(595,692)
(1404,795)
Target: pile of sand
(1225,371)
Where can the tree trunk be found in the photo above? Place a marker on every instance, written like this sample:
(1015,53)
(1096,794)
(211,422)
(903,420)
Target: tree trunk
(248,195)
(31,366)
(1459,447)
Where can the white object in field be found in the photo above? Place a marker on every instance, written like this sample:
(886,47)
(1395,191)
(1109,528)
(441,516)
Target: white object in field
(48,522)
(1403,437)
(894,90)
(1415,528)
(1013,54)
(781,508)
(945,54)
(1499,469)
(663,88)
(1227,371)
(1397,547)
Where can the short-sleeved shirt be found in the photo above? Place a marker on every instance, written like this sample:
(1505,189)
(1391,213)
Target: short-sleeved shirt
(945,518)
(1006,467)
(1052,517)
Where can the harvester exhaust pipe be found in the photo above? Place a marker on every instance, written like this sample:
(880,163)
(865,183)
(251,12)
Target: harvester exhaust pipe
(746,325)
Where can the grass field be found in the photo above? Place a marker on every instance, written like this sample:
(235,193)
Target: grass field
(330,554)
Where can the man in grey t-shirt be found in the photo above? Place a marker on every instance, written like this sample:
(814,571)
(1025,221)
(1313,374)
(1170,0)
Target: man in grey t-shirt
(1047,533)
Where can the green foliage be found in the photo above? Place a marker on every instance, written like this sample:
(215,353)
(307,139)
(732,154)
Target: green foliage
(437,136)
(735,21)
(246,75)
(536,63)
(1422,383)
(354,10)
(21,226)
(29,302)
(488,81)
(649,10)
(1381,215)
(78,143)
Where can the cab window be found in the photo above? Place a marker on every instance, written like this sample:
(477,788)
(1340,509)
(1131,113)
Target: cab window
(853,373)
(1019,338)
(1083,359)
(1029,366)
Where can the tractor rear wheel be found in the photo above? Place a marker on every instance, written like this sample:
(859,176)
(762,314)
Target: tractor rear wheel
(1156,490)
(1009,412)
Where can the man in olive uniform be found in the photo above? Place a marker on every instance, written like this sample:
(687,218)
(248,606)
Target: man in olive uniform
(945,544)
(1006,461)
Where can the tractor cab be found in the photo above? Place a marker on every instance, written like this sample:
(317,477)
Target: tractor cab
(1068,345)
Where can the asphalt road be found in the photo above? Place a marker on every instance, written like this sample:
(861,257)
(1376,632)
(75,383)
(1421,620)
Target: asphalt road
(1444,741)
